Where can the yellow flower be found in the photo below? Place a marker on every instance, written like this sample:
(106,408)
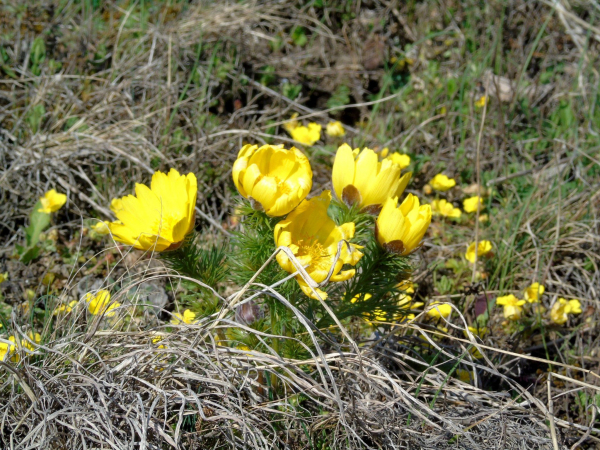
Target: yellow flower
(445,208)
(52,201)
(439,310)
(274,179)
(442,183)
(483,248)
(483,218)
(37,338)
(160,216)
(100,303)
(407,286)
(101,227)
(335,129)
(7,349)
(3,277)
(305,135)
(480,103)
(65,308)
(470,204)
(478,331)
(513,307)
(534,292)
(361,179)
(403,161)
(188,317)
(562,308)
(401,229)
(313,238)
(116,205)
(157,340)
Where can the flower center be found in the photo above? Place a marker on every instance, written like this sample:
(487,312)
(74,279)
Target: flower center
(282,186)
(317,253)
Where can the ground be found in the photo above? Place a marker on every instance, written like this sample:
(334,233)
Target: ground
(501,96)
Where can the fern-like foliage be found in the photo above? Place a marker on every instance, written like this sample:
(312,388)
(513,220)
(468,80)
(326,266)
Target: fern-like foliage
(206,264)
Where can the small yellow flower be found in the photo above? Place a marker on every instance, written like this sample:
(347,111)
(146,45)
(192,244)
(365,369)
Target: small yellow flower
(444,208)
(7,349)
(101,227)
(470,204)
(335,129)
(484,218)
(478,331)
(158,217)
(439,310)
(401,229)
(463,375)
(513,307)
(188,317)
(403,161)
(480,103)
(359,178)
(37,338)
(65,308)
(534,292)
(116,205)
(52,201)
(100,303)
(483,248)
(313,238)
(157,340)
(274,179)
(305,135)
(562,308)
(406,286)
(3,277)
(442,183)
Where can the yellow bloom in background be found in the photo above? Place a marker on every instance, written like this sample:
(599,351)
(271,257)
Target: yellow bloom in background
(65,308)
(442,183)
(478,331)
(513,307)
(483,218)
(7,349)
(157,340)
(359,178)
(37,338)
(403,161)
(100,303)
(3,277)
(52,201)
(470,204)
(480,103)
(440,310)
(407,286)
(274,179)
(534,292)
(116,205)
(187,317)
(313,238)
(483,248)
(562,308)
(160,216)
(401,229)
(101,227)
(305,135)
(444,208)
(335,129)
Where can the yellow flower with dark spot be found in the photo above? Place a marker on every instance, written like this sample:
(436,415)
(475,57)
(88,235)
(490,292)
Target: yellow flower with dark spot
(52,201)
(335,129)
(438,310)
(188,317)
(442,183)
(403,161)
(359,178)
(444,208)
(534,292)
(483,248)
(158,217)
(305,135)
(400,229)
(470,204)
(562,308)
(313,238)
(100,303)
(513,307)
(274,179)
